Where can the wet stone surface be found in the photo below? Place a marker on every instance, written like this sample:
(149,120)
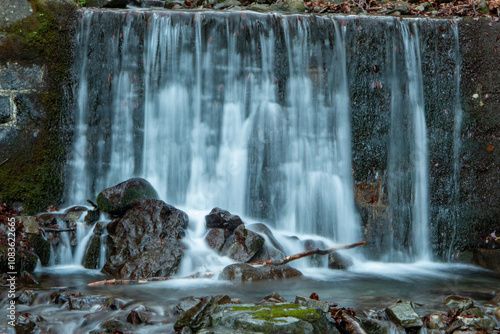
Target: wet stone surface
(5,109)
(17,77)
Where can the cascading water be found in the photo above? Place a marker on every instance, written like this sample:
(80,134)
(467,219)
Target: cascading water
(249,112)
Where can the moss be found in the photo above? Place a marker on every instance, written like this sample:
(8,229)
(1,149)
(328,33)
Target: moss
(132,194)
(104,204)
(270,313)
(33,175)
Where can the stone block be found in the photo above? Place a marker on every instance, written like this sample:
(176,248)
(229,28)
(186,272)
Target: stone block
(12,11)
(5,109)
(17,77)
(29,109)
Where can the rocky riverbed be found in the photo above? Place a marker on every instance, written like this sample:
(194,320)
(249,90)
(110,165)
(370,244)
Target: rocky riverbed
(71,311)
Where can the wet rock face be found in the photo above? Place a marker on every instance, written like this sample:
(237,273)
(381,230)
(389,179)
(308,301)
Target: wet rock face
(487,258)
(245,273)
(242,245)
(219,218)
(117,199)
(146,241)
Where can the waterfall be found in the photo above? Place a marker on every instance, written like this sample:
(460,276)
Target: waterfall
(252,113)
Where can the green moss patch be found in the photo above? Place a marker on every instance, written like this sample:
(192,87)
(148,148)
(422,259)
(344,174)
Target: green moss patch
(272,312)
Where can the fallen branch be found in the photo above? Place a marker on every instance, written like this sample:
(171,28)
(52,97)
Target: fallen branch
(315,251)
(1,163)
(147,280)
(93,204)
(49,229)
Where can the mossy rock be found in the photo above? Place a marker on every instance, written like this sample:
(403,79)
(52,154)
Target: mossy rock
(41,247)
(117,199)
(275,318)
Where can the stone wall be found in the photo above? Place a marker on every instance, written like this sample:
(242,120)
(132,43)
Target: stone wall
(479,184)
(35,58)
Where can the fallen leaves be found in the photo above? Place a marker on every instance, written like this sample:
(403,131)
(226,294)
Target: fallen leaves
(419,8)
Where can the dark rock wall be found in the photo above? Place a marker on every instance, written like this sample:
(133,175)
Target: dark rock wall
(35,57)
(479,183)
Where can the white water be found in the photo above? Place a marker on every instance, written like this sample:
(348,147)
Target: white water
(420,222)
(247,112)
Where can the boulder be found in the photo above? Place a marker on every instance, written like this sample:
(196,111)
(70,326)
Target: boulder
(146,241)
(339,261)
(267,253)
(216,237)
(242,245)
(219,218)
(310,244)
(272,318)
(403,313)
(117,199)
(244,273)
(262,229)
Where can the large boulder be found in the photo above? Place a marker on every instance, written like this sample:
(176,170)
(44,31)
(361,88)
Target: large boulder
(117,199)
(242,245)
(146,241)
(244,273)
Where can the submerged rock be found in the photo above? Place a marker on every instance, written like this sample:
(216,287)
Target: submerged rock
(245,273)
(146,241)
(117,199)
(339,261)
(404,314)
